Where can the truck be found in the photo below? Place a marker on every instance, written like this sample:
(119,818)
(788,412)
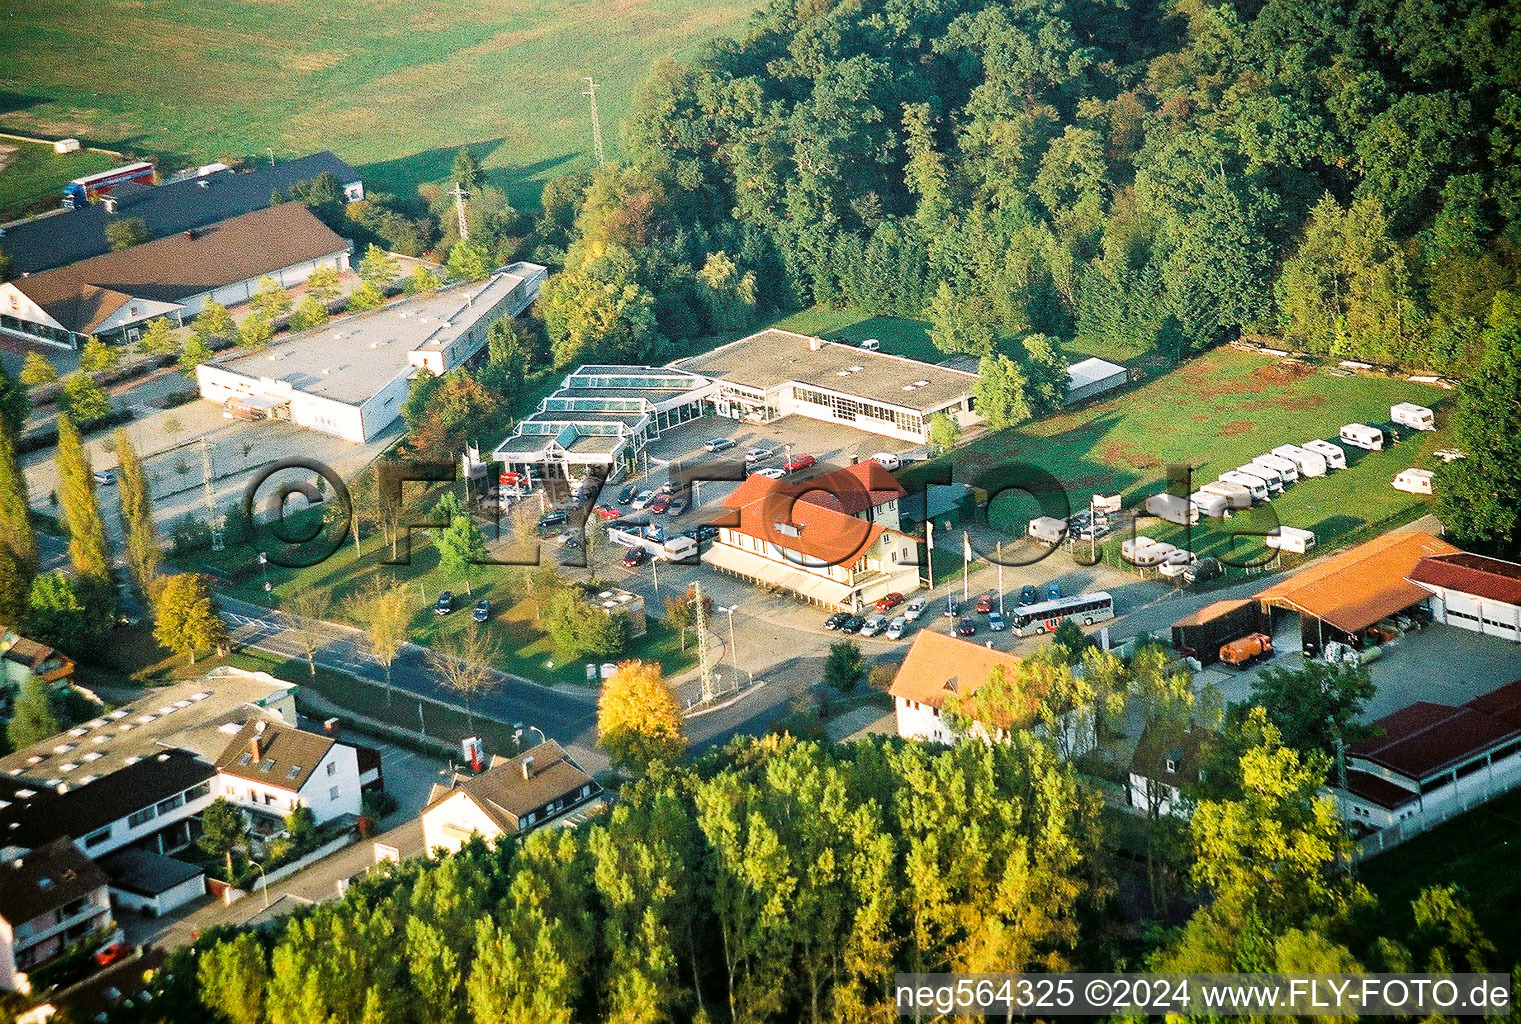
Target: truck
(1360,435)
(1417,417)
(1335,457)
(1173,508)
(1236,496)
(1246,649)
(1308,463)
(78,193)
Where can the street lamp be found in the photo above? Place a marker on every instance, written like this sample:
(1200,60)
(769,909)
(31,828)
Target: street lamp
(264,879)
(733,647)
(542,738)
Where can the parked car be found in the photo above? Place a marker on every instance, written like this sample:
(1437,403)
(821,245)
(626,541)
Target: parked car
(758,454)
(568,539)
(852,624)
(635,558)
(887,602)
(719,444)
(608,512)
(1202,571)
(896,628)
(482,610)
(995,622)
(966,627)
(1027,595)
(770,473)
(874,625)
(104,477)
(661,504)
(914,609)
(798,462)
(1054,592)
(551,519)
(642,500)
(984,603)
(627,494)
(705,532)
(952,609)
(836,620)
(678,506)
(445,603)
(113,953)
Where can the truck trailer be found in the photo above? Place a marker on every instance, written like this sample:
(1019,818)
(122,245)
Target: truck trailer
(1411,415)
(1332,452)
(1360,435)
(1246,649)
(1236,495)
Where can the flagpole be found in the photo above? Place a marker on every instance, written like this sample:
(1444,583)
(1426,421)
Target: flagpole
(966,562)
(999,549)
(929,540)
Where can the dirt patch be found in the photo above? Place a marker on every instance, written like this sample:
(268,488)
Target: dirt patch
(1116,453)
(1235,428)
(6,152)
(1284,372)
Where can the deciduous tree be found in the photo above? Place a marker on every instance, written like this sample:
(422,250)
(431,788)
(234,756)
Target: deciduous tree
(638,719)
(34,717)
(186,618)
(463,663)
(36,370)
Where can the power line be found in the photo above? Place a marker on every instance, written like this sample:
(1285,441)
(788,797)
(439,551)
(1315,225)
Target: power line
(591,93)
(459,195)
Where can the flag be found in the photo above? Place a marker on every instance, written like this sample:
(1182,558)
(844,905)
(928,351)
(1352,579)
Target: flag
(929,534)
(966,546)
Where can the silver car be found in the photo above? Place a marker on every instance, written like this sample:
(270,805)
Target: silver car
(874,625)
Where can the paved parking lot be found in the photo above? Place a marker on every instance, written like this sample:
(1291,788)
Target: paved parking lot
(832,443)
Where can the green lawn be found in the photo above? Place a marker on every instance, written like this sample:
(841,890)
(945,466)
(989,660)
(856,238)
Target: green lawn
(31,172)
(1215,413)
(1479,851)
(393,88)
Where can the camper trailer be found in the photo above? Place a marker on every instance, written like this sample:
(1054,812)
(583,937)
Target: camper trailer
(1360,435)
(1268,476)
(1255,485)
(1309,464)
(1154,555)
(1047,529)
(1291,539)
(1330,451)
(1411,415)
(1130,547)
(1236,495)
(1415,481)
(1210,504)
(1173,508)
(1286,468)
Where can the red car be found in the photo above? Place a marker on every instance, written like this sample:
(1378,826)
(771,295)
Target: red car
(966,627)
(798,462)
(112,953)
(985,604)
(889,601)
(661,504)
(608,512)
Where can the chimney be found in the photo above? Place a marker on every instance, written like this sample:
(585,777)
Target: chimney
(255,744)
(332,728)
(527,768)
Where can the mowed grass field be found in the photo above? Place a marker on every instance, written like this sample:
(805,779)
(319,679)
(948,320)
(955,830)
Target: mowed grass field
(1215,413)
(395,88)
(31,171)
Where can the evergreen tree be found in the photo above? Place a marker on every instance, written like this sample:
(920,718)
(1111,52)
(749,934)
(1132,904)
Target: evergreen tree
(88,551)
(16,532)
(36,370)
(34,717)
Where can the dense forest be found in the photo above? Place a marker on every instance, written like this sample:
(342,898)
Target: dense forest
(1157,174)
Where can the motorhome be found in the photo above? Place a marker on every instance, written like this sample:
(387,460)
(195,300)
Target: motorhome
(1285,467)
(1237,496)
(1210,504)
(1411,415)
(1255,486)
(1173,508)
(1414,481)
(1047,529)
(1335,457)
(1360,435)
(1310,464)
(1290,539)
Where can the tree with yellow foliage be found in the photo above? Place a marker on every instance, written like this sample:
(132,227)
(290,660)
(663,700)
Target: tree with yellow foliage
(638,718)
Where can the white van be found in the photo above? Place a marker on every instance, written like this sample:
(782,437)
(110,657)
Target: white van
(1211,504)
(1308,463)
(1414,481)
(1411,415)
(1285,467)
(1255,485)
(887,460)
(872,345)
(1047,529)
(1290,539)
(1268,476)
(1172,508)
(1360,435)
(1236,496)
(1335,457)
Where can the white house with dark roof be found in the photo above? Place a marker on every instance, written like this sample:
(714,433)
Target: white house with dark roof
(513,796)
(269,769)
(49,899)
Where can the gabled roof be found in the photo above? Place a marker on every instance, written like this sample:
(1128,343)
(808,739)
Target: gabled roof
(1167,742)
(65,238)
(44,879)
(505,796)
(1426,739)
(1356,588)
(288,756)
(1488,578)
(940,665)
(812,531)
(850,490)
(82,295)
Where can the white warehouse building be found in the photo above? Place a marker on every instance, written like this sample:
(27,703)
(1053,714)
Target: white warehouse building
(350,377)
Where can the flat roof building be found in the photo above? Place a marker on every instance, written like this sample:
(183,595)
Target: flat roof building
(350,377)
(778,373)
(113,295)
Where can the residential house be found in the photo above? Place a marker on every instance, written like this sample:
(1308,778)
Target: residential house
(269,769)
(21,659)
(511,797)
(1168,758)
(50,899)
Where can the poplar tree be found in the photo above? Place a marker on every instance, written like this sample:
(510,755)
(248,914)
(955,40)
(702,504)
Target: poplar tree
(16,533)
(137,515)
(88,551)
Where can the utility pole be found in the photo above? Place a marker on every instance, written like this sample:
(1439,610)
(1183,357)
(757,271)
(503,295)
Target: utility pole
(459,195)
(218,542)
(591,94)
(704,662)
(271,151)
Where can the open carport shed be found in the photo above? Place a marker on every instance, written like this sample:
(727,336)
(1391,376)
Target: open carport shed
(1202,634)
(1338,598)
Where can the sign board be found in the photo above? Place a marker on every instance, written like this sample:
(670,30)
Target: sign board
(475,752)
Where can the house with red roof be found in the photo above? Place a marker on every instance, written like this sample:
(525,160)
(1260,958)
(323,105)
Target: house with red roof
(1473,592)
(1429,761)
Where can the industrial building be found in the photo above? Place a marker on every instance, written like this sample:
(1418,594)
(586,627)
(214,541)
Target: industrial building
(350,377)
(778,373)
(601,418)
(1473,592)
(114,295)
(170,209)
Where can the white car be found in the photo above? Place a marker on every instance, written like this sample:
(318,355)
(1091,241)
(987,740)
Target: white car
(914,609)
(642,499)
(771,473)
(1174,564)
(896,627)
(874,625)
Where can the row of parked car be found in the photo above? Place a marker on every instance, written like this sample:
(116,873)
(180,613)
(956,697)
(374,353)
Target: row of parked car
(878,623)
(445,606)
